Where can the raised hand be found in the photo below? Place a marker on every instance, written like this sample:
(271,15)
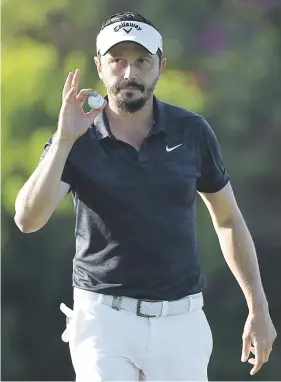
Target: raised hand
(73,120)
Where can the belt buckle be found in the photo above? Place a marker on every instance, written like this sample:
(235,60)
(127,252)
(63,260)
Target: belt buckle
(142,314)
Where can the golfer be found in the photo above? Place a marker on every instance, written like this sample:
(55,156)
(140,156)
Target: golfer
(133,168)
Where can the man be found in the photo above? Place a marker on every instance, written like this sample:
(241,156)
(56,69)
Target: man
(133,168)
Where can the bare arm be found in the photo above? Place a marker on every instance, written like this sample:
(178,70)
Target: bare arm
(236,244)
(239,252)
(44,190)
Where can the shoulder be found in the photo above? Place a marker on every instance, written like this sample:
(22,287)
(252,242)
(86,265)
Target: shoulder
(176,113)
(186,120)
(179,112)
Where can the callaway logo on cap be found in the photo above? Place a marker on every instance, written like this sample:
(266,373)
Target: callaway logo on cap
(135,31)
(127,27)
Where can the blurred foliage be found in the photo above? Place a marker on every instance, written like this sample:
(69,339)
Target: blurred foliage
(224,59)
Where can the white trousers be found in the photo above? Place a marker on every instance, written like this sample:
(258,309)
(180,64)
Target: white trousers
(110,345)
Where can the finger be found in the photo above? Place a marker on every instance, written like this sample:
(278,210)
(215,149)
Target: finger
(258,360)
(94,112)
(67,85)
(75,79)
(83,94)
(246,348)
(253,350)
(252,361)
(71,95)
(267,354)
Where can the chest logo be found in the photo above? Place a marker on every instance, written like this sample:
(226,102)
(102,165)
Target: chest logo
(168,149)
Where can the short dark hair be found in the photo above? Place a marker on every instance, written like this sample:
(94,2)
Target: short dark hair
(129,16)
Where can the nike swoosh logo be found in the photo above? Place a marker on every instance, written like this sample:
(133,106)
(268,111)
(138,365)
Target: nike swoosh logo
(168,149)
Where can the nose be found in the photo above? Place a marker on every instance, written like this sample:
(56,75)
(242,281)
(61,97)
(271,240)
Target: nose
(130,72)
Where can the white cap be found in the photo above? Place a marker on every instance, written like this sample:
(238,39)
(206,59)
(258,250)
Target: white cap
(134,31)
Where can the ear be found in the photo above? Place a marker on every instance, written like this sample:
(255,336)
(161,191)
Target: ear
(163,64)
(98,65)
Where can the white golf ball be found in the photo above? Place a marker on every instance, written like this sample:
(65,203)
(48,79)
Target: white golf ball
(95,101)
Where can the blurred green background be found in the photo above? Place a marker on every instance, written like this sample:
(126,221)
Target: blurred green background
(224,60)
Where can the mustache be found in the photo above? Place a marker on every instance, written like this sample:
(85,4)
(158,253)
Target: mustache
(130,84)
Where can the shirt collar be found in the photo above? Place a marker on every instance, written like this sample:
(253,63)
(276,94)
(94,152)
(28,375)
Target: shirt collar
(102,127)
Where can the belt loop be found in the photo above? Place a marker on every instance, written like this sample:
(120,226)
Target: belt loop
(100,298)
(191,304)
(165,307)
(195,302)
(116,302)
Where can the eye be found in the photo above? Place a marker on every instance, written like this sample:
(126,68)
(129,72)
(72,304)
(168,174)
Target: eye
(116,60)
(143,60)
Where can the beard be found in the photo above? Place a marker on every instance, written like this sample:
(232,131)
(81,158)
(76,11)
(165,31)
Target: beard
(130,106)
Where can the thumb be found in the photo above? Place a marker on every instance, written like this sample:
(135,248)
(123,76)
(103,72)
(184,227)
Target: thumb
(246,348)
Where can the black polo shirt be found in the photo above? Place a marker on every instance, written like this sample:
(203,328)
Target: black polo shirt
(135,210)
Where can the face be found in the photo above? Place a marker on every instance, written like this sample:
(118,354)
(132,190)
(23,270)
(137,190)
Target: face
(130,74)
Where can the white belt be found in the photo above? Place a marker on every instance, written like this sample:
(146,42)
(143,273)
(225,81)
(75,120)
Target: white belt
(142,307)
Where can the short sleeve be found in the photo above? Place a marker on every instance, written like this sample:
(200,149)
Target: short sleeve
(67,173)
(213,173)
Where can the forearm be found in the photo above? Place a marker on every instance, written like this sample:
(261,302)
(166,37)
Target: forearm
(39,196)
(239,252)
